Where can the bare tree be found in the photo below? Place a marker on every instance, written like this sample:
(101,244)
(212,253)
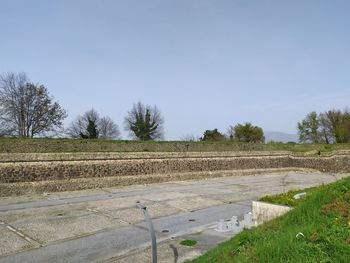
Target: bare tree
(26,109)
(79,127)
(108,129)
(144,122)
(90,125)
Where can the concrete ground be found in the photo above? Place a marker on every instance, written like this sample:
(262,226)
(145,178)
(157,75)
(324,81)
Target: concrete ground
(103,225)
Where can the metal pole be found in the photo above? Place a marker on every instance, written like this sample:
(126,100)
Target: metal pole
(151,231)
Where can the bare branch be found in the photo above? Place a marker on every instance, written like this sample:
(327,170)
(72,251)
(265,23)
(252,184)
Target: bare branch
(107,129)
(26,109)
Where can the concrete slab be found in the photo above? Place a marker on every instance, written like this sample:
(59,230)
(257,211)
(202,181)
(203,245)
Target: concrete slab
(46,231)
(94,226)
(121,240)
(20,199)
(23,215)
(115,203)
(212,190)
(170,251)
(113,190)
(132,215)
(158,210)
(51,224)
(192,203)
(228,198)
(11,242)
(70,194)
(92,248)
(128,215)
(167,196)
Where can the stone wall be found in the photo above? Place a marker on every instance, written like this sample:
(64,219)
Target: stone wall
(40,187)
(49,168)
(39,171)
(45,157)
(76,145)
(337,163)
(91,156)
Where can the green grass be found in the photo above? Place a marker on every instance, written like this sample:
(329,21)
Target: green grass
(101,145)
(188,242)
(287,198)
(323,217)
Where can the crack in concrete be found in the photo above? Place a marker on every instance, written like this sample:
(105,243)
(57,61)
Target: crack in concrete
(19,233)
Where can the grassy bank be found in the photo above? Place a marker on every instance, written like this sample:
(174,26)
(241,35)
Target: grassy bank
(316,230)
(47,145)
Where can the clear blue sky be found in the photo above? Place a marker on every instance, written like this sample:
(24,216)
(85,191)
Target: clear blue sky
(205,64)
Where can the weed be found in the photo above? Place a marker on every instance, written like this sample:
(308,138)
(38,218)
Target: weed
(188,242)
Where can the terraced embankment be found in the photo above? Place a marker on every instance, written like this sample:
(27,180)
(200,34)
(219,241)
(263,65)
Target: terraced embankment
(38,172)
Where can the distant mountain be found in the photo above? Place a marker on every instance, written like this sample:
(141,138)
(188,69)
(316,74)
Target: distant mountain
(280,136)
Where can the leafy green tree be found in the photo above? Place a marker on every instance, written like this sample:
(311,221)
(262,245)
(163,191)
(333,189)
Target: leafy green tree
(144,122)
(342,130)
(91,130)
(332,126)
(247,133)
(337,122)
(308,129)
(212,135)
(326,128)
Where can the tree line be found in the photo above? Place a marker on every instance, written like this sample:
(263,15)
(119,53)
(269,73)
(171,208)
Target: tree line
(332,126)
(27,110)
(246,132)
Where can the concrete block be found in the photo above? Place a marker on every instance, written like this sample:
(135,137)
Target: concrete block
(263,212)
